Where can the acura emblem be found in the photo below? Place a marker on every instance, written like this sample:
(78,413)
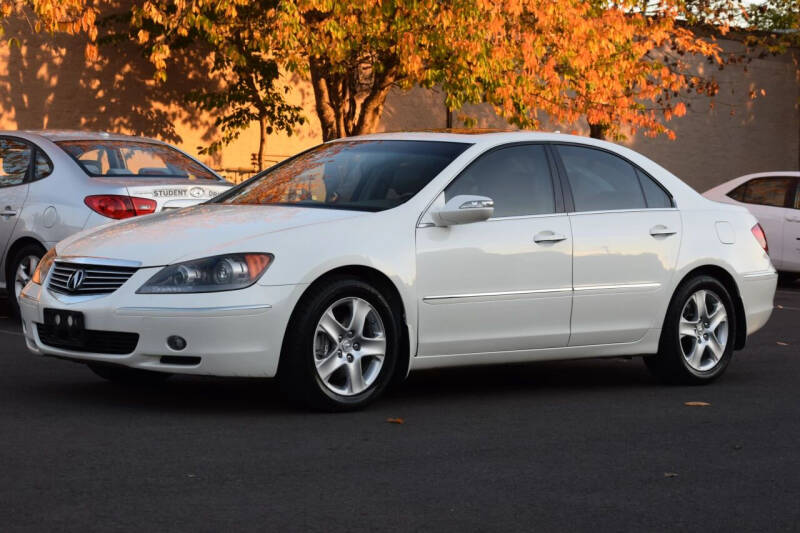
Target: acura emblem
(196,192)
(76,280)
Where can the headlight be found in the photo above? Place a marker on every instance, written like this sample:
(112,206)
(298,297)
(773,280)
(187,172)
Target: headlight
(45,263)
(210,274)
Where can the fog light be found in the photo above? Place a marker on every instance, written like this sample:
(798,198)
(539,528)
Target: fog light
(176,343)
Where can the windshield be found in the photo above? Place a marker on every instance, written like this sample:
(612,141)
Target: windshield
(101,158)
(361,175)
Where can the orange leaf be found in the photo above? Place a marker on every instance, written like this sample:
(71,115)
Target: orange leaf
(697,404)
(395,420)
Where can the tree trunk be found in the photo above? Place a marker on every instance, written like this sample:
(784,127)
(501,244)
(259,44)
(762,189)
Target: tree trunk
(322,99)
(598,131)
(262,140)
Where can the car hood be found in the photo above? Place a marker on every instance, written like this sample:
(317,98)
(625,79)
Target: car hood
(160,239)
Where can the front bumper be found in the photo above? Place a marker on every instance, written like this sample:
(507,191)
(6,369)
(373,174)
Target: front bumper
(235,333)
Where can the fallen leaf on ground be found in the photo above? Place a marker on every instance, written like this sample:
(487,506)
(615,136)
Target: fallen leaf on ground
(670,474)
(783,343)
(779,306)
(395,420)
(697,404)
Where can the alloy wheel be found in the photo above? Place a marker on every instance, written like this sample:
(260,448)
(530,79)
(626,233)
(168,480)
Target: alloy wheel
(703,330)
(24,273)
(349,346)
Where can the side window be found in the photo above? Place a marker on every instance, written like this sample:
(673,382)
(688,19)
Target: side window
(42,166)
(738,193)
(15,159)
(769,191)
(517,178)
(601,181)
(654,195)
(796,203)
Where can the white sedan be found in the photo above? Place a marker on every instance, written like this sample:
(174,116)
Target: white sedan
(355,262)
(774,198)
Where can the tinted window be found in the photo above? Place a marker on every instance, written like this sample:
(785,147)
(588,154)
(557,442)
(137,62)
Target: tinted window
(15,158)
(738,193)
(654,195)
(134,159)
(601,181)
(516,178)
(42,166)
(362,175)
(796,203)
(768,191)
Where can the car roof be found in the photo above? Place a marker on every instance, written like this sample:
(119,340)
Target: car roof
(472,136)
(78,135)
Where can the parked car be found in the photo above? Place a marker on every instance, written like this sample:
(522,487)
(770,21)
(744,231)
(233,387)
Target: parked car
(352,263)
(774,198)
(56,183)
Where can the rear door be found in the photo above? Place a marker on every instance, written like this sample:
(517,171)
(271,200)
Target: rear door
(791,231)
(626,235)
(15,164)
(768,199)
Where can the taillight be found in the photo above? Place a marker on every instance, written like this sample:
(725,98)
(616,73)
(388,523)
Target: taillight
(761,237)
(117,206)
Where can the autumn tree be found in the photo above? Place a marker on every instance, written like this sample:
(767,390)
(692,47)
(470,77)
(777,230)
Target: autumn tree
(56,16)
(251,91)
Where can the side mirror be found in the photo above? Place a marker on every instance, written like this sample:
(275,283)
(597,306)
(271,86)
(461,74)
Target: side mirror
(463,209)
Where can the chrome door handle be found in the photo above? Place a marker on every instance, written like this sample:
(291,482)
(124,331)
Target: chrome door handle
(548,236)
(661,231)
(8,212)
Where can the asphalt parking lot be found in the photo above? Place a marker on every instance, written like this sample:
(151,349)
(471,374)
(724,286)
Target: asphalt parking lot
(588,445)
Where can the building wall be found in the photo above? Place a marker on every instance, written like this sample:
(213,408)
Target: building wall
(45,83)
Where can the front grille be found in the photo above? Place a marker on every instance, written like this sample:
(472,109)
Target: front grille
(91,341)
(97,279)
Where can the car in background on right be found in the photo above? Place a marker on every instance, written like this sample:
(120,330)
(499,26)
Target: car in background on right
(774,199)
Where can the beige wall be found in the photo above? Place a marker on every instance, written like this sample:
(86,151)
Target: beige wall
(45,83)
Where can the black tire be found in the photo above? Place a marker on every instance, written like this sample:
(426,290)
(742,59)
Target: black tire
(670,365)
(128,376)
(297,373)
(788,278)
(21,254)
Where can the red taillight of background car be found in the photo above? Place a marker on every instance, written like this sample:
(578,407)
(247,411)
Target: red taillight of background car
(761,237)
(117,206)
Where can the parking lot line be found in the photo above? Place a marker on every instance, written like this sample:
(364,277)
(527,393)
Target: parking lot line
(8,332)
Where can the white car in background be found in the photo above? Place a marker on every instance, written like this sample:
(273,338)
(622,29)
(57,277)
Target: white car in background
(346,266)
(56,183)
(774,199)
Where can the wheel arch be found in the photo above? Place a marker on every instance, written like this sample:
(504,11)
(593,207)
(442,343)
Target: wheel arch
(14,248)
(390,291)
(726,278)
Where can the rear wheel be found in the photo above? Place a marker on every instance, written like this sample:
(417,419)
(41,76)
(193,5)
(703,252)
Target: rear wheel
(341,346)
(698,335)
(128,376)
(20,271)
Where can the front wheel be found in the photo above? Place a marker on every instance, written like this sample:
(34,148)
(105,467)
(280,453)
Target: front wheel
(340,347)
(698,335)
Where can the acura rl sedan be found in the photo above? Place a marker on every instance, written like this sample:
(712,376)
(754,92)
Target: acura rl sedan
(56,183)
(345,267)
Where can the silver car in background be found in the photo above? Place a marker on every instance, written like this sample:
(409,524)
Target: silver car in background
(56,183)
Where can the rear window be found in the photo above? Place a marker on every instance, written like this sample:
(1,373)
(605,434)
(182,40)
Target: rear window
(100,158)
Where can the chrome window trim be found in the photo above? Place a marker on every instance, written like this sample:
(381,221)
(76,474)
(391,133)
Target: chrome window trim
(638,210)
